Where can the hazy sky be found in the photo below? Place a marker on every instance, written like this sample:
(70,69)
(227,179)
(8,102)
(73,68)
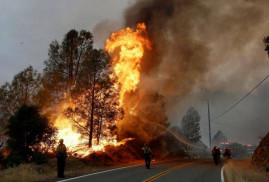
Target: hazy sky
(27,27)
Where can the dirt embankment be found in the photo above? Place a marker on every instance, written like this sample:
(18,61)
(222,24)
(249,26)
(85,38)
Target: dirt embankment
(261,155)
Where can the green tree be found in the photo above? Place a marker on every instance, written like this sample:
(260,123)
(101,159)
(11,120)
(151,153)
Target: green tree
(66,62)
(27,129)
(22,90)
(191,126)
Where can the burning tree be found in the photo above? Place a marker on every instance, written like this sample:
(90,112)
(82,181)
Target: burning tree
(83,91)
(90,89)
(95,98)
(143,109)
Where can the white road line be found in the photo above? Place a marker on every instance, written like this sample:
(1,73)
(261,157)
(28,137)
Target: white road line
(222,174)
(91,174)
(100,172)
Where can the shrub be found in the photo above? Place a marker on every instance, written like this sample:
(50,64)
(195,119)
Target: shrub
(14,160)
(41,158)
(26,129)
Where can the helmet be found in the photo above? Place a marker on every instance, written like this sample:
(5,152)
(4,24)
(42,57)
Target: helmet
(61,140)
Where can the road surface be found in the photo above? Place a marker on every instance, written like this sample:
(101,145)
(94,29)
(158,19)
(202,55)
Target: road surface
(180,170)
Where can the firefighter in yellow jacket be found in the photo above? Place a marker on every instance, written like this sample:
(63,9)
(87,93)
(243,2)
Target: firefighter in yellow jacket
(61,156)
(147,155)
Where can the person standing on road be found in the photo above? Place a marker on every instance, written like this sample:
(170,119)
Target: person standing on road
(61,156)
(216,155)
(147,155)
(227,154)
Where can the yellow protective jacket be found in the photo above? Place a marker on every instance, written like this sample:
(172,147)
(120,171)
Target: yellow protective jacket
(61,150)
(146,150)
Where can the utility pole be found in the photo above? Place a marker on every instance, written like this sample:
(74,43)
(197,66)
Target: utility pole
(209,127)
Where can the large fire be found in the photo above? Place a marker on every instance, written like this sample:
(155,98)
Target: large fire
(76,143)
(126,48)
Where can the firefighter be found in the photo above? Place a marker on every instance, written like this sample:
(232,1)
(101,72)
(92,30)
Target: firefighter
(216,155)
(227,154)
(61,156)
(147,155)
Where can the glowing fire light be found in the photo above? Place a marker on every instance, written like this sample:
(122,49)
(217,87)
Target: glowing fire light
(74,141)
(127,48)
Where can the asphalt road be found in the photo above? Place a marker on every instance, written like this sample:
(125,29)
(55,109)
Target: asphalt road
(180,170)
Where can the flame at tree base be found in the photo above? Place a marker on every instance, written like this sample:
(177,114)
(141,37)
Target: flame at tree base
(76,143)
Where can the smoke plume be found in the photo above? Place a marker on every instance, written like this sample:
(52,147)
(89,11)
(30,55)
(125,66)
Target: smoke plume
(209,46)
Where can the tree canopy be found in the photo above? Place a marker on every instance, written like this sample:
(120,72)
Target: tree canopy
(22,90)
(66,61)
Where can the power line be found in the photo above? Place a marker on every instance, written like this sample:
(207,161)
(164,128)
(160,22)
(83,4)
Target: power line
(241,98)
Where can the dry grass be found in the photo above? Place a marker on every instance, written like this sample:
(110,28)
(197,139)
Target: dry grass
(34,172)
(47,172)
(244,171)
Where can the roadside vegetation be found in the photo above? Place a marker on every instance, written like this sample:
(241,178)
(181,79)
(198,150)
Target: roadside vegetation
(48,171)
(244,171)
(255,169)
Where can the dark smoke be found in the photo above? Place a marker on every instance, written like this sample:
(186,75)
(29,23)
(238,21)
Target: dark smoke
(178,56)
(194,39)
(213,47)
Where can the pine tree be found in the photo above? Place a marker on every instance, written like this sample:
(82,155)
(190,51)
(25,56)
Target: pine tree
(191,126)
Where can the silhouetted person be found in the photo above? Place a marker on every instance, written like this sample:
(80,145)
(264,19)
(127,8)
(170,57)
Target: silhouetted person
(216,155)
(147,155)
(227,154)
(61,156)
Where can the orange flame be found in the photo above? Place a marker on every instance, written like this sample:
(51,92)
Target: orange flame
(127,48)
(76,143)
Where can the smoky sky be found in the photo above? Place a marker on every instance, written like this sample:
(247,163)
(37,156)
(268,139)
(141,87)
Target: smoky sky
(27,27)
(202,50)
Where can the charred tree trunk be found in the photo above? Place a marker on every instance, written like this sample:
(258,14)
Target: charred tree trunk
(92,112)
(70,67)
(99,130)
(100,117)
